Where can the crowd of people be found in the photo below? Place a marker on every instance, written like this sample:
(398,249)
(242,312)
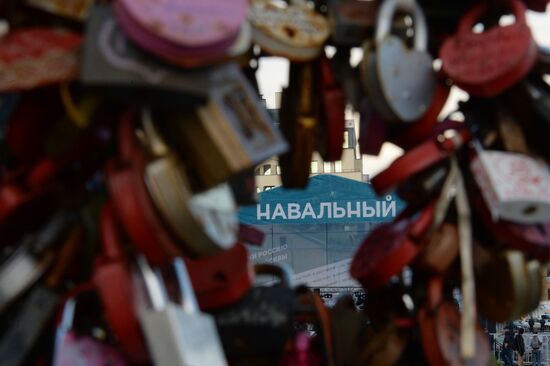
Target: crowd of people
(519,344)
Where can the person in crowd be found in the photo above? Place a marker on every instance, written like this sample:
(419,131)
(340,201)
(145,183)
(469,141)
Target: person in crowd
(536,345)
(507,350)
(519,346)
(531,324)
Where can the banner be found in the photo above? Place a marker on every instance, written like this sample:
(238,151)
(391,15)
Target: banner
(327,199)
(316,231)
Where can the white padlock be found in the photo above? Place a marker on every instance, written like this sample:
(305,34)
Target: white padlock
(515,187)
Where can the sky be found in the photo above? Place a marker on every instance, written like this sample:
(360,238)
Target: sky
(273,76)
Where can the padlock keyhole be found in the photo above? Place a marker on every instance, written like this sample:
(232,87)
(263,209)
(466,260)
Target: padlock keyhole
(220,277)
(291,32)
(530,210)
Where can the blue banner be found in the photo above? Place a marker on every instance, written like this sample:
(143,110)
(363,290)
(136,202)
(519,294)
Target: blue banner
(327,199)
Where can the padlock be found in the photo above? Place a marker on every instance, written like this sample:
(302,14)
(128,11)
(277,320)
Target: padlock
(221,279)
(133,204)
(486,64)
(332,121)
(536,285)
(36,57)
(205,222)
(439,323)
(26,327)
(311,311)
(177,334)
(373,131)
(72,348)
(113,281)
(351,21)
(515,187)
(502,284)
(299,124)
(294,30)
(390,247)
(121,71)
(412,134)
(436,149)
(440,251)
(400,82)
(419,189)
(348,77)
(534,240)
(265,311)
(77,10)
(348,333)
(511,132)
(529,104)
(231,133)
(185,33)
(301,352)
(385,345)
(31,257)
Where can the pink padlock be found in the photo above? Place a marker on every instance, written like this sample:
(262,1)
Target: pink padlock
(302,352)
(183,30)
(75,350)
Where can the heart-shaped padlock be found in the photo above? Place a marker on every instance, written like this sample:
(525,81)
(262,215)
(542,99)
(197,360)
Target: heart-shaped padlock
(295,31)
(485,64)
(401,80)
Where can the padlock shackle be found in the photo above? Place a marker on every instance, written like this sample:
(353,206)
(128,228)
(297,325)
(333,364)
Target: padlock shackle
(189,300)
(280,270)
(385,16)
(473,15)
(153,287)
(154,141)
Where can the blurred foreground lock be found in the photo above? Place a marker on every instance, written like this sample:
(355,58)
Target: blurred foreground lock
(178,335)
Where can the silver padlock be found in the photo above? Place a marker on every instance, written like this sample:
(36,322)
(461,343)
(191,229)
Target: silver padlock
(400,81)
(515,187)
(177,335)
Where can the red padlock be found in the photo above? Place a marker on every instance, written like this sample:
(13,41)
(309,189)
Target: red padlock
(221,279)
(439,322)
(113,279)
(485,64)
(35,57)
(132,202)
(419,158)
(332,112)
(390,247)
